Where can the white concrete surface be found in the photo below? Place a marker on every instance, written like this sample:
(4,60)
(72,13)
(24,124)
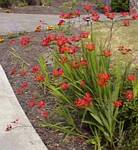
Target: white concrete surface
(23,136)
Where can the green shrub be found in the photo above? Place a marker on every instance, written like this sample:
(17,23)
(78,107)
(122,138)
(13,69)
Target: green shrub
(120,5)
(5,3)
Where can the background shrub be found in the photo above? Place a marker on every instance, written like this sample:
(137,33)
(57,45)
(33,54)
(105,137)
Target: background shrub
(120,5)
(5,3)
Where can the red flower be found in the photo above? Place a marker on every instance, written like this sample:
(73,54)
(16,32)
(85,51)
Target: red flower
(41,104)
(83,62)
(126,22)
(23,72)
(64,86)
(132,77)
(58,72)
(45,42)
(61,22)
(107,9)
(135,16)
(63,59)
(75,38)
(24,41)
(77,13)
(103,79)
(87,7)
(24,85)
(124,14)
(35,69)
(31,103)
(129,95)
(107,53)
(12,42)
(75,64)
(95,16)
(82,83)
(40,78)
(19,91)
(90,47)
(110,15)
(44,114)
(13,71)
(118,103)
(85,101)
(84,34)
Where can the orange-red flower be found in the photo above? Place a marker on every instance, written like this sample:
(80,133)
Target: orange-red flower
(126,22)
(40,78)
(65,86)
(31,103)
(44,114)
(87,7)
(107,53)
(85,101)
(58,72)
(84,62)
(41,104)
(90,47)
(75,64)
(84,34)
(110,15)
(132,77)
(24,41)
(35,69)
(82,83)
(103,79)
(118,103)
(129,95)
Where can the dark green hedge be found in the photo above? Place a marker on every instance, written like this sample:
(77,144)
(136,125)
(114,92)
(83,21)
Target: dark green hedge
(120,5)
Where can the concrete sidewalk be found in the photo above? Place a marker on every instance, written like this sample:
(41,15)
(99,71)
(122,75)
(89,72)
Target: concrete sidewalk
(23,136)
(12,22)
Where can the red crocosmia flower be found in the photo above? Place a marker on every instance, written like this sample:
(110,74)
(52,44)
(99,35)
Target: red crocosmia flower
(77,13)
(24,41)
(75,38)
(19,91)
(135,16)
(110,15)
(40,78)
(87,7)
(107,9)
(85,101)
(61,22)
(82,83)
(132,77)
(103,78)
(23,72)
(45,42)
(44,114)
(51,37)
(63,59)
(126,22)
(124,14)
(61,40)
(64,86)
(13,71)
(95,16)
(83,62)
(24,85)
(73,49)
(31,103)
(41,104)
(118,103)
(75,64)
(107,53)
(64,49)
(58,72)
(12,42)
(90,47)
(129,95)
(35,69)
(84,34)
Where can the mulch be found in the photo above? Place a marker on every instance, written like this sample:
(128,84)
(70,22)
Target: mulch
(52,139)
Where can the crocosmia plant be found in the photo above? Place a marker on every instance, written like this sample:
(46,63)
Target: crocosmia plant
(97,94)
